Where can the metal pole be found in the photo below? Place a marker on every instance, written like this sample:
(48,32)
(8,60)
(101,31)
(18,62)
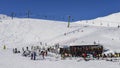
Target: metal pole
(68,21)
(12,15)
(28,14)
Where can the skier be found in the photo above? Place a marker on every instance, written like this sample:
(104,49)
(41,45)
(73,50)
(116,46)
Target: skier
(84,56)
(94,55)
(15,50)
(46,53)
(43,54)
(65,34)
(118,26)
(34,55)
(27,48)
(23,51)
(94,42)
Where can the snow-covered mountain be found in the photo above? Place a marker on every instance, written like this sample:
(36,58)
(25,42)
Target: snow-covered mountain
(22,31)
(111,18)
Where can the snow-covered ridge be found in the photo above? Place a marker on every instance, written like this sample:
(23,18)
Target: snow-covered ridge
(111,18)
(107,21)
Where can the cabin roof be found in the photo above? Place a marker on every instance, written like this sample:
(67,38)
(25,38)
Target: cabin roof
(67,46)
(86,45)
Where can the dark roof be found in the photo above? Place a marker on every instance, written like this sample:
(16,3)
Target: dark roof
(84,45)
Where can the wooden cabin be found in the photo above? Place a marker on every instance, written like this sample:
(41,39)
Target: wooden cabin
(78,50)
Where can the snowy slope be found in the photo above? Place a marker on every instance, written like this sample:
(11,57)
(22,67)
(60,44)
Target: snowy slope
(10,60)
(27,31)
(24,32)
(105,31)
(21,32)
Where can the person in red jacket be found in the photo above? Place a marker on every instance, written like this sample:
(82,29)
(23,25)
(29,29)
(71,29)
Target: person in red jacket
(84,55)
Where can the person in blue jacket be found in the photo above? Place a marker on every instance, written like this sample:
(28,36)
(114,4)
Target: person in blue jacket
(34,55)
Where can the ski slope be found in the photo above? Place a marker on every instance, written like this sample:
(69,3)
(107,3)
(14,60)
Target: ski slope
(21,32)
(10,60)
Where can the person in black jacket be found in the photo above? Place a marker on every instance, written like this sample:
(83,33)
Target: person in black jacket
(32,56)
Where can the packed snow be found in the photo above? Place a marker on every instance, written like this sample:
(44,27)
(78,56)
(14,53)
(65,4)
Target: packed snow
(22,32)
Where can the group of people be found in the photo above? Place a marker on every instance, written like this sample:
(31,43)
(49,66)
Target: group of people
(87,56)
(15,50)
(34,52)
(87,52)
